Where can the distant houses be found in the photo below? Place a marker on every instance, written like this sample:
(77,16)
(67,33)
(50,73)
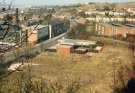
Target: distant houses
(116,15)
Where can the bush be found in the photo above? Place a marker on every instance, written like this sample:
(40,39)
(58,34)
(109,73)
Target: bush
(79,32)
(26,83)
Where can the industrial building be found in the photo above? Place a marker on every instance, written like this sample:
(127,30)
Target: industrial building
(19,29)
(64,49)
(68,46)
(35,34)
(115,29)
(39,33)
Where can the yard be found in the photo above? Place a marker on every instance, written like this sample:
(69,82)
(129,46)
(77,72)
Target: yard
(96,74)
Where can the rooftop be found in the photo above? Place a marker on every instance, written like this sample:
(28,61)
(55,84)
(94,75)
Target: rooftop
(130,25)
(38,26)
(77,42)
(118,24)
(64,46)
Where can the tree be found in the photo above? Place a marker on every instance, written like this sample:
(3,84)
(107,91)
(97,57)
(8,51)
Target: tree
(106,8)
(82,14)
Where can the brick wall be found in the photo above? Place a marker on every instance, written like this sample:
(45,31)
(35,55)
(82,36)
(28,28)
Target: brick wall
(110,30)
(64,50)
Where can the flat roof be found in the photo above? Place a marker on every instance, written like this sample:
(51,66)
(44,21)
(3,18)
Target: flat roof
(39,26)
(73,42)
(117,24)
(53,47)
(110,24)
(130,25)
(64,46)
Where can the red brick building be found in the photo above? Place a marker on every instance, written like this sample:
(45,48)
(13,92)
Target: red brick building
(131,38)
(64,49)
(117,30)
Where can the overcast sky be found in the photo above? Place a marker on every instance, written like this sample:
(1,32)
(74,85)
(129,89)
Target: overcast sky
(57,2)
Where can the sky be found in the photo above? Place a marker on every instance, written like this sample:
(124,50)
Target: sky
(57,2)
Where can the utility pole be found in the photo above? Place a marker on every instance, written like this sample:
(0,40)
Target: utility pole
(10,5)
(50,31)
(18,26)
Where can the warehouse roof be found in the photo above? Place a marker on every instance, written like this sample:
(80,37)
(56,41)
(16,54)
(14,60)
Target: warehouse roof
(130,25)
(76,42)
(64,46)
(38,26)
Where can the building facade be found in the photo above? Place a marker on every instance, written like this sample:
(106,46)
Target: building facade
(114,30)
(39,33)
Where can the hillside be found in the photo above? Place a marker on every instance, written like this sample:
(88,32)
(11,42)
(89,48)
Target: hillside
(76,73)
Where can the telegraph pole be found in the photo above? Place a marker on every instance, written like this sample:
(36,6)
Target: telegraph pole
(18,26)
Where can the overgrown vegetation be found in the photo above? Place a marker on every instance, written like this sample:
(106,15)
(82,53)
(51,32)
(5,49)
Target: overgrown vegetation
(80,32)
(123,77)
(124,83)
(54,73)
(26,83)
(105,72)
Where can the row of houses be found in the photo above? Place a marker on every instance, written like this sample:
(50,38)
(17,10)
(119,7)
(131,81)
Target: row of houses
(111,19)
(103,20)
(115,13)
(131,10)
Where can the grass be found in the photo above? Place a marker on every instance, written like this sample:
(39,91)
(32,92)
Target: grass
(95,74)
(76,73)
(109,41)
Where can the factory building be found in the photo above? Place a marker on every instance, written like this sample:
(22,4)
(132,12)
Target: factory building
(36,34)
(69,46)
(114,30)
(39,33)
